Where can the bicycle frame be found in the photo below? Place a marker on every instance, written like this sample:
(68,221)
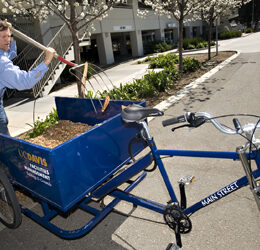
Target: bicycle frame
(157,153)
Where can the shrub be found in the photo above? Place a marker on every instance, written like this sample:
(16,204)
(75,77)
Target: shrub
(249,30)
(200,45)
(190,42)
(153,82)
(163,61)
(212,43)
(40,125)
(148,86)
(157,80)
(90,94)
(191,46)
(162,46)
(156,47)
(230,34)
(190,64)
(147,59)
(145,88)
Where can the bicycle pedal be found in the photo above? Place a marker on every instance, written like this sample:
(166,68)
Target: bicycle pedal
(172,246)
(186,180)
(257,190)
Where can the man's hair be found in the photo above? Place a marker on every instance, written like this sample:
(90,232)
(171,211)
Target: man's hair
(4,25)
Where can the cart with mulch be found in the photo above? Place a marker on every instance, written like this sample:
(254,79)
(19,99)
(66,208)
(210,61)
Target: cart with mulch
(85,168)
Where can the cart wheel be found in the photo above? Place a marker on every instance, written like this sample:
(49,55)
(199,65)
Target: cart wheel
(10,212)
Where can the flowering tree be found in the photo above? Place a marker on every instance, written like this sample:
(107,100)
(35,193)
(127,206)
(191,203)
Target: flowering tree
(180,9)
(77,14)
(213,9)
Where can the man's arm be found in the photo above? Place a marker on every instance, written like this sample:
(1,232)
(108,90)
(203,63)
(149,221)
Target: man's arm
(12,77)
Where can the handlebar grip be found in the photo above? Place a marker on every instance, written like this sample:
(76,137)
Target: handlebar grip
(174,120)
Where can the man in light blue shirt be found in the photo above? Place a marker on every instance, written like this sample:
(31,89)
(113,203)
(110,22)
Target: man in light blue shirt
(12,76)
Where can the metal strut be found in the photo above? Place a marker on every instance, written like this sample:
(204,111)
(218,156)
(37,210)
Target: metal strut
(254,187)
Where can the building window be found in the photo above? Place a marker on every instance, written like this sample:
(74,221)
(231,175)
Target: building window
(142,5)
(124,4)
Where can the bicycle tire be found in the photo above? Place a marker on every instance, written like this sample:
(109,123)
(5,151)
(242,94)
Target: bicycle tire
(10,211)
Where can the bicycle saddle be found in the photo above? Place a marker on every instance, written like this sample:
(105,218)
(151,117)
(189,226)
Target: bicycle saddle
(135,113)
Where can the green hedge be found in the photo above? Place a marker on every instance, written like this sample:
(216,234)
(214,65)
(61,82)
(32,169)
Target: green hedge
(153,82)
(163,61)
(196,43)
(190,64)
(148,86)
(249,30)
(157,47)
(230,34)
(191,43)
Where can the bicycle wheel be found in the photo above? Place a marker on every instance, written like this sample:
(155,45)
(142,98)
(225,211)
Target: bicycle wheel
(10,212)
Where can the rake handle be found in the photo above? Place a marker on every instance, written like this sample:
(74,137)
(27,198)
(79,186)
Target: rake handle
(38,45)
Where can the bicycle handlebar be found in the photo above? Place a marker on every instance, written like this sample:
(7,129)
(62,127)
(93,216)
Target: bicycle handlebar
(174,120)
(197,119)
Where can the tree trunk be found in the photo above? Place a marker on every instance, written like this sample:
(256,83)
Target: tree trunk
(75,39)
(81,87)
(209,40)
(180,45)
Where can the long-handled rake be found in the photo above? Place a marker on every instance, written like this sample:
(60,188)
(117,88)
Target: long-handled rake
(100,85)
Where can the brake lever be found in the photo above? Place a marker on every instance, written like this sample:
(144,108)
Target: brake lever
(182,126)
(193,124)
(197,122)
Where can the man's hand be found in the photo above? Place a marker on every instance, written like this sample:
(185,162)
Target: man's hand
(8,24)
(10,28)
(49,54)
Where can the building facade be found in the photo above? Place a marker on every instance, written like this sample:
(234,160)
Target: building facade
(124,33)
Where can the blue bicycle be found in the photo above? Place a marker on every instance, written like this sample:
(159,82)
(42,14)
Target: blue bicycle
(48,175)
(176,213)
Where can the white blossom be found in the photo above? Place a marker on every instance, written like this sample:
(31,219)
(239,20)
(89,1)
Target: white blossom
(60,7)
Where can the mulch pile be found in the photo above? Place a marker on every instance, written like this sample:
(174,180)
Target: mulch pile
(58,133)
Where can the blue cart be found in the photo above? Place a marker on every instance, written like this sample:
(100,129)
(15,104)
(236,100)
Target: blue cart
(84,167)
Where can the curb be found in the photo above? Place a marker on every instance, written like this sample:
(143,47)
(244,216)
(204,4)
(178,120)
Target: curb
(164,105)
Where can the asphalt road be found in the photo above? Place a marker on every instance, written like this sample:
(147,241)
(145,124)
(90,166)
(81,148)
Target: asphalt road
(230,223)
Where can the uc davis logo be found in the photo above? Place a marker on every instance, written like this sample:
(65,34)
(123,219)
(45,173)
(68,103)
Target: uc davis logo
(31,157)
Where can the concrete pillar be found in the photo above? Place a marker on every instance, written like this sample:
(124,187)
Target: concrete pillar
(159,33)
(105,52)
(136,43)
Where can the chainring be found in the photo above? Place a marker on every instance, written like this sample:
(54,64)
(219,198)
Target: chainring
(176,219)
